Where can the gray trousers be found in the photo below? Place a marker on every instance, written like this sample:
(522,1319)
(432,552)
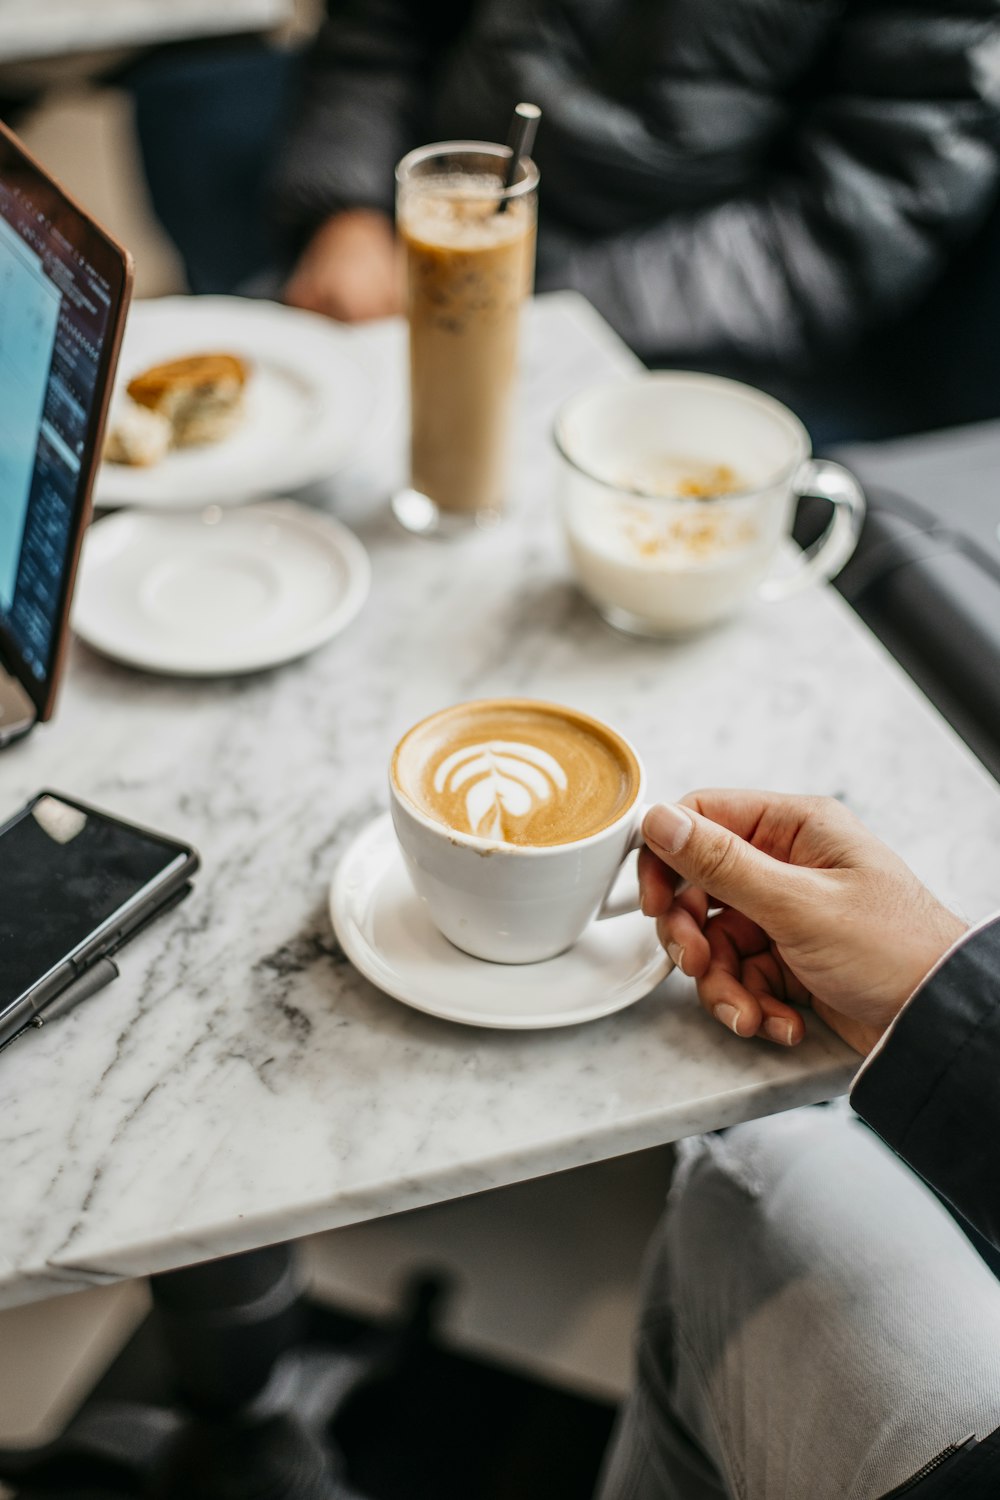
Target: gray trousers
(815,1326)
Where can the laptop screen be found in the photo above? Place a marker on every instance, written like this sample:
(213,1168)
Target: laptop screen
(61,294)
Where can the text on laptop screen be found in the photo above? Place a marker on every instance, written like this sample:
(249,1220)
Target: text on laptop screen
(55,311)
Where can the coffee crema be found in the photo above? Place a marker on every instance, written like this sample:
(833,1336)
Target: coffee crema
(517,771)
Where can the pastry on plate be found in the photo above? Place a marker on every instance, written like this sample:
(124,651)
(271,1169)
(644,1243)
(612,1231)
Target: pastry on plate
(137,436)
(201,396)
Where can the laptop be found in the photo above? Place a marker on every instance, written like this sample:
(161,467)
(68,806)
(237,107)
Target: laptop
(64,290)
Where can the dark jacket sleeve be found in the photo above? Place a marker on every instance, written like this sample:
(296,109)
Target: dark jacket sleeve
(932,1091)
(887,161)
(361,106)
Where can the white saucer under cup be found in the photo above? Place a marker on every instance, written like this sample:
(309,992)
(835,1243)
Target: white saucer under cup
(386,933)
(308,400)
(218,592)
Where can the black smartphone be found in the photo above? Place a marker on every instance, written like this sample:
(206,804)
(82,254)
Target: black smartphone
(75,884)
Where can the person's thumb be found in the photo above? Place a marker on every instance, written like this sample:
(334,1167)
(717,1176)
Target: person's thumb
(708,855)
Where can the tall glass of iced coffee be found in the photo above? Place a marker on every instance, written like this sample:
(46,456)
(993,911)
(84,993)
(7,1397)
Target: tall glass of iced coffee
(470,253)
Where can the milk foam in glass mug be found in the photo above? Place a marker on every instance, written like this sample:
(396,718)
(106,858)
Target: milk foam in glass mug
(678,492)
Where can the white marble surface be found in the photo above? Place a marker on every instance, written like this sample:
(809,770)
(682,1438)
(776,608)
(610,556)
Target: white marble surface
(50,28)
(240,1083)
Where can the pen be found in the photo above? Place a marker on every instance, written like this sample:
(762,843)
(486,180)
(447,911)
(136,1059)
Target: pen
(93,979)
(90,981)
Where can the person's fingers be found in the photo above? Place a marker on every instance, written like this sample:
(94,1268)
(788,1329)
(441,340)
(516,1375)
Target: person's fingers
(817,833)
(746,987)
(299,292)
(732,939)
(764,970)
(314,294)
(776,823)
(658,888)
(345,289)
(656,884)
(767,981)
(372,290)
(680,915)
(727,866)
(681,931)
(721,990)
(682,936)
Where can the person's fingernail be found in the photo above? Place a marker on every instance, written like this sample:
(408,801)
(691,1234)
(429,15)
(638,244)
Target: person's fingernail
(675,953)
(779,1031)
(729,1015)
(668,827)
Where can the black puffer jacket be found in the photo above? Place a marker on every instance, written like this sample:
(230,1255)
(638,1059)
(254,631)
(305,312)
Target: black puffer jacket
(724,179)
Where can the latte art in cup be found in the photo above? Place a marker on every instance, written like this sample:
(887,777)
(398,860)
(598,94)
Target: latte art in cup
(516,771)
(497,785)
(514,818)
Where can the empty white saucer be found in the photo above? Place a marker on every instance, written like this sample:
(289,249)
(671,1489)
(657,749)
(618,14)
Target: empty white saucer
(385,932)
(218,591)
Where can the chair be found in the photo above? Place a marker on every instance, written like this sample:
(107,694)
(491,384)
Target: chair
(252,1405)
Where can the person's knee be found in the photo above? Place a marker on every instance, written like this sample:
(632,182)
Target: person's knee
(731,1173)
(726,1175)
(743,1213)
(713,1199)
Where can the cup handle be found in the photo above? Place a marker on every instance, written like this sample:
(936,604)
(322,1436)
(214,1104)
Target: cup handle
(828,554)
(621,906)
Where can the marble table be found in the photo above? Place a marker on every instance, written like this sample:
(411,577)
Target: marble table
(241,1083)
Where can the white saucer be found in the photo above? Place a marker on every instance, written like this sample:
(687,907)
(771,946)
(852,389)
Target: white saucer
(308,398)
(220,591)
(386,934)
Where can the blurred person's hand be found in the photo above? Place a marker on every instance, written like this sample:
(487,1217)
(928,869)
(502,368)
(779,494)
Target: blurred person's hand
(350,269)
(789,901)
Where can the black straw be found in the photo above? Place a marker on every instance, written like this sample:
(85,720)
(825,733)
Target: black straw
(523,126)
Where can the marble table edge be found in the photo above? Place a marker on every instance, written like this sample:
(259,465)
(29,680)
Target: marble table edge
(94,1266)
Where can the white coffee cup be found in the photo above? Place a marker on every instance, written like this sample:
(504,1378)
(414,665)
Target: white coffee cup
(677,491)
(515,903)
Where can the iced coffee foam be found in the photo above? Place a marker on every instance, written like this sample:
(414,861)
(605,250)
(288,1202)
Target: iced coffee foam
(516,771)
(459,211)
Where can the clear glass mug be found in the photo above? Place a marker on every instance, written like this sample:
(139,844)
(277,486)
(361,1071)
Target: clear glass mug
(470,256)
(677,492)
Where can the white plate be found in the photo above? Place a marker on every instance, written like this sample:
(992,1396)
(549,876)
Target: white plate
(307,400)
(219,591)
(385,932)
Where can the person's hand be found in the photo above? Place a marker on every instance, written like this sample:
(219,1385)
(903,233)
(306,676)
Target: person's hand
(350,269)
(789,901)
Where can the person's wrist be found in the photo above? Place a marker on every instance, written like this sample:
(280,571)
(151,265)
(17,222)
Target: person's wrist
(941,939)
(916,960)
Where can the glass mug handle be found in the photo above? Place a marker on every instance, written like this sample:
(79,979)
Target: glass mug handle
(828,554)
